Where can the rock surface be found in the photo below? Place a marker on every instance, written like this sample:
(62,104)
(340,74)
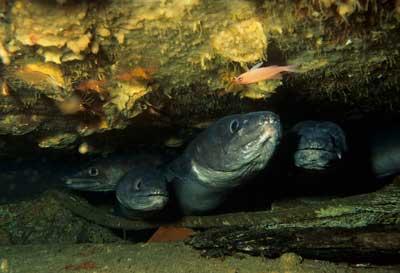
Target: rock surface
(105,65)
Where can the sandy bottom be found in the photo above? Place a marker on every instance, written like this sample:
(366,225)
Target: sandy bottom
(154,257)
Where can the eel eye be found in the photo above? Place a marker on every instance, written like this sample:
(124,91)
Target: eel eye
(239,79)
(234,125)
(138,185)
(93,171)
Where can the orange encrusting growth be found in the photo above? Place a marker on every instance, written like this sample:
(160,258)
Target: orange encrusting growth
(41,75)
(170,234)
(138,73)
(94,85)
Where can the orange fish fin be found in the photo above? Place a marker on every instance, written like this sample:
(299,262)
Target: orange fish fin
(170,234)
(291,68)
(257,65)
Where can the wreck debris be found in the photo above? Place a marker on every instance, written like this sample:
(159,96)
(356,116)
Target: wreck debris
(4,55)
(124,96)
(366,244)
(51,55)
(19,124)
(114,42)
(261,90)
(41,75)
(58,141)
(68,31)
(377,208)
(243,42)
(44,78)
(43,220)
(5,90)
(71,105)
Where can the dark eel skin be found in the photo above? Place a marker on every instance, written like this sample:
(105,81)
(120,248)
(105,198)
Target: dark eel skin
(327,160)
(102,174)
(374,146)
(140,187)
(384,149)
(317,145)
(230,152)
(142,192)
(223,157)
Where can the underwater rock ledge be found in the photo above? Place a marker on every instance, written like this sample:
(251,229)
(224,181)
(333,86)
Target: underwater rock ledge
(376,208)
(364,225)
(102,65)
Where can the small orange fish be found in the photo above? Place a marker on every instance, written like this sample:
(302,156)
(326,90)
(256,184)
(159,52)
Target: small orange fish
(94,85)
(258,73)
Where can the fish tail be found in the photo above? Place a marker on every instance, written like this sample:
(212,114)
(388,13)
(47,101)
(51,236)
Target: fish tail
(292,68)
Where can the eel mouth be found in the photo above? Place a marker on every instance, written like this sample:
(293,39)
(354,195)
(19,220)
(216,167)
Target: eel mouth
(84,184)
(271,128)
(316,159)
(145,202)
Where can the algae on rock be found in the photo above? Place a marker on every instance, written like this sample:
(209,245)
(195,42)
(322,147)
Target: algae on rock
(160,49)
